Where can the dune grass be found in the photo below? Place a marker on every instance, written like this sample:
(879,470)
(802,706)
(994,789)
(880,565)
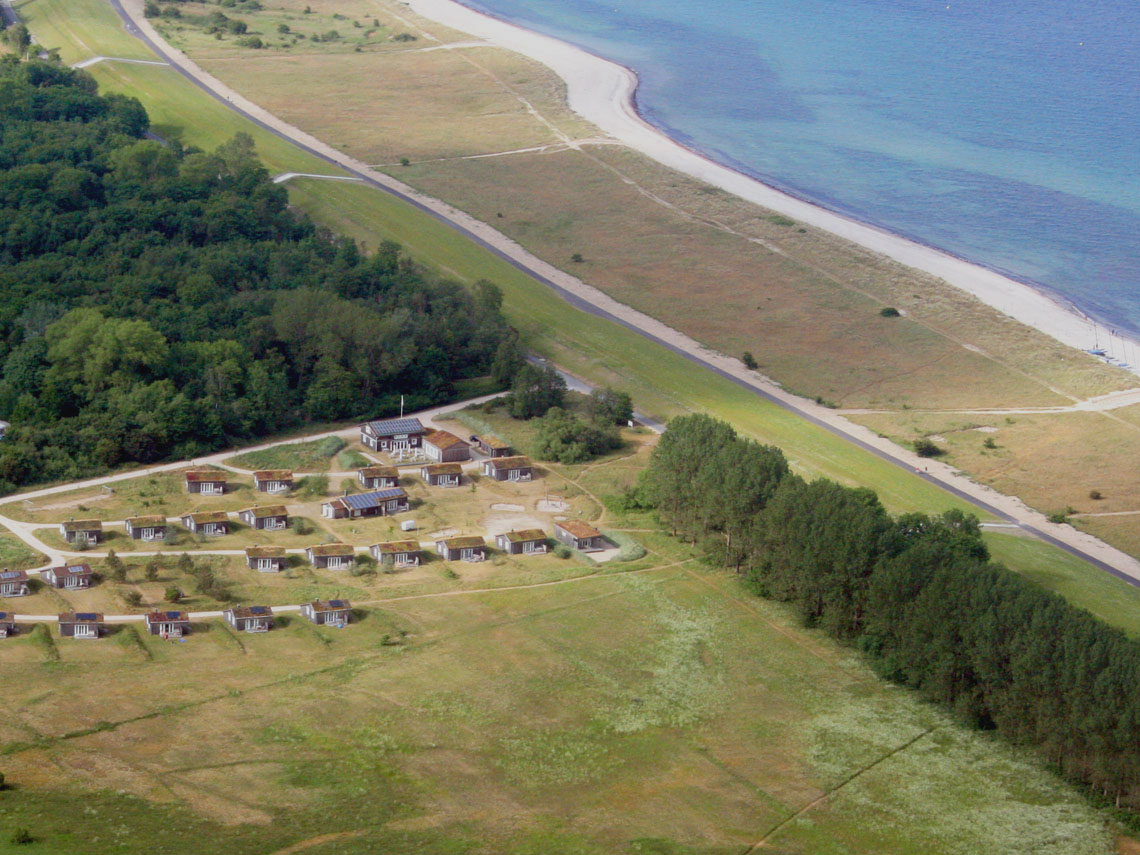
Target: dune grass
(315,456)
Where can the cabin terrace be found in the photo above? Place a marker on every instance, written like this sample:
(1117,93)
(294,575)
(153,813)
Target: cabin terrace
(578,535)
(13,583)
(146,528)
(443,446)
(442,474)
(249,618)
(212,523)
(7,624)
(273,480)
(330,556)
(267,518)
(81,624)
(173,624)
(336,613)
(381,503)
(462,548)
(208,482)
(508,469)
(393,435)
(70,577)
(492,446)
(397,553)
(378,477)
(81,531)
(531,541)
(265,559)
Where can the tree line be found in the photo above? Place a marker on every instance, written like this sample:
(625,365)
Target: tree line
(161,301)
(918,594)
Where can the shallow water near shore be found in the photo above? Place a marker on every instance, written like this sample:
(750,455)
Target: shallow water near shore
(1004,133)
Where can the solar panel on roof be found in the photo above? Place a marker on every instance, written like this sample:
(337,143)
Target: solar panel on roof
(9,574)
(337,604)
(173,615)
(258,610)
(86,616)
(361,501)
(394,426)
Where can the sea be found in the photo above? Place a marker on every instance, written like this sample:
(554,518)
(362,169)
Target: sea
(1006,132)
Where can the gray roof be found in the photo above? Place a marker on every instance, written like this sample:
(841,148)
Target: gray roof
(395,426)
(360,501)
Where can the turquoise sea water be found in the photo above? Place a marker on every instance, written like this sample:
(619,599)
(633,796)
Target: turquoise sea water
(1005,132)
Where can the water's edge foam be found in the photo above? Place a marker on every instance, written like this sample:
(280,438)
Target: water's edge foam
(605,93)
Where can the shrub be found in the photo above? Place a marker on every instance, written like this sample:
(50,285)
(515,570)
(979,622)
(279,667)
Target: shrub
(562,551)
(749,360)
(610,407)
(21,837)
(577,258)
(173,594)
(282,28)
(151,10)
(152,569)
(301,526)
(1096,495)
(564,437)
(535,390)
(403,37)
(132,598)
(889,312)
(989,443)
(405,162)
(252,42)
(116,569)
(1059,517)
(924,447)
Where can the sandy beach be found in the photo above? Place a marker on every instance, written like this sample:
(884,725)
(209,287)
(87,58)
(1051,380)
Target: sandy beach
(603,93)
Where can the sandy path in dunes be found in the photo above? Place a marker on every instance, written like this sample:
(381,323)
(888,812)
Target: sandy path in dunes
(593,75)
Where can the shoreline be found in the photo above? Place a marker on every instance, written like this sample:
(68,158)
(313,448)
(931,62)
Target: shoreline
(605,93)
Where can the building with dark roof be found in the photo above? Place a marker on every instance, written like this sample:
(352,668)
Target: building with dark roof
(265,559)
(469,548)
(330,556)
(378,477)
(579,535)
(151,527)
(508,468)
(13,583)
(266,518)
(380,503)
(328,612)
(208,482)
(81,531)
(442,474)
(80,624)
(398,553)
(445,447)
(273,480)
(250,618)
(168,624)
(213,523)
(530,541)
(70,577)
(393,434)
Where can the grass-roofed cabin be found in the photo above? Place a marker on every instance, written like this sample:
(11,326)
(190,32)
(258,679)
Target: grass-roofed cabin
(265,559)
(151,527)
(330,556)
(509,468)
(397,553)
(89,532)
(378,477)
(250,618)
(168,624)
(579,535)
(530,541)
(211,523)
(328,612)
(208,482)
(442,474)
(445,447)
(472,548)
(265,518)
(492,446)
(273,480)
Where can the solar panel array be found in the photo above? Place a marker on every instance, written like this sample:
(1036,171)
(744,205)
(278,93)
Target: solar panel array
(338,604)
(258,610)
(360,501)
(11,574)
(394,426)
(86,616)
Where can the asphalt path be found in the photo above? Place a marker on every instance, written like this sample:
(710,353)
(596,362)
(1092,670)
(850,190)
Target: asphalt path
(588,307)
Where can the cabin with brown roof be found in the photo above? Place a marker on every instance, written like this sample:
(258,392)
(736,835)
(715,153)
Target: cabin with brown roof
(442,474)
(70,577)
(81,531)
(397,553)
(80,624)
(530,541)
(273,480)
(378,477)
(208,482)
(445,447)
(508,468)
(151,527)
(336,613)
(330,556)
(250,618)
(265,518)
(7,624)
(13,583)
(265,559)
(379,503)
(171,624)
(462,548)
(492,446)
(211,523)
(577,535)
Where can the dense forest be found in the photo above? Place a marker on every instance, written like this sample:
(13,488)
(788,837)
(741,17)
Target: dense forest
(918,594)
(161,302)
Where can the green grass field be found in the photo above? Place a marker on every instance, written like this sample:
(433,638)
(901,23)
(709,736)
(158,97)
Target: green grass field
(316,456)
(663,711)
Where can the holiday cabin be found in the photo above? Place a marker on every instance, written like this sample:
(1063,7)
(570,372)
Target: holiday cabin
(443,446)
(328,612)
(531,541)
(172,624)
(462,548)
(89,532)
(492,446)
(80,624)
(273,480)
(442,474)
(330,556)
(508,468)
(378,477)
(578,535)
(393,435)
(267,518)
(71,577)
(382,503)
(208,482)
(265,559)
(250,618)
(397,553)
(211,523)
(146,528)
(13,583)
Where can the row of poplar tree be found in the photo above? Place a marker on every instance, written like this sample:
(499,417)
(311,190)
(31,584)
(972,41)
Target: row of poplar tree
(918,594)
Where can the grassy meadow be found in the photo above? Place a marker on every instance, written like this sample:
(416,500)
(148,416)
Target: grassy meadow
(645,707)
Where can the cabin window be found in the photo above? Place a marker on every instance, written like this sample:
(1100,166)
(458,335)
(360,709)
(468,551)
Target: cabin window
(84,631)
